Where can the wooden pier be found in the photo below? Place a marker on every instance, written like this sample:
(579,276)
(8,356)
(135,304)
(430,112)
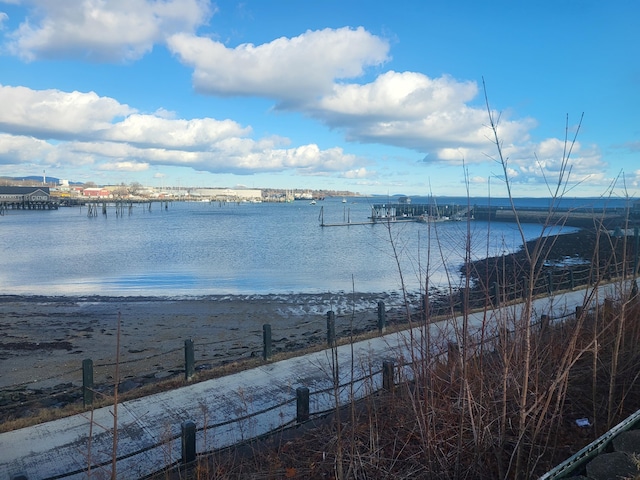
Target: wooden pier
(28,205)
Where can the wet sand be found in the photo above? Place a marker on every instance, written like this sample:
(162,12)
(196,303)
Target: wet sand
(43,340)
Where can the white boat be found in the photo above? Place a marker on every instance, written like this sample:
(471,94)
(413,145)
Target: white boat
(344,200)
(313,202)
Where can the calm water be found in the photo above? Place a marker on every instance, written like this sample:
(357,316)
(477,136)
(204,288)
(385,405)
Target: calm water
(194,249)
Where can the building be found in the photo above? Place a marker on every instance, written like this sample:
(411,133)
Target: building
(96,192)
(227,194)
(24,194)
(28,198)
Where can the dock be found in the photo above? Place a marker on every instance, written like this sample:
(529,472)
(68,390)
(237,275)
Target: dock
(431,212)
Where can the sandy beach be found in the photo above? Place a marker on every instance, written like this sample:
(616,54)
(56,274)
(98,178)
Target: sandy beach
(43,340)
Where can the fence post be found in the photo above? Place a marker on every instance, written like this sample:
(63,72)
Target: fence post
(636,250)
(544,323)
(302,404)
(572,280)
(496,293)
(579,311)
(550,282)
(331,328)
(388,382)
(87,382)
(463,301)
(188,441)
(382,317)
(189,359)
(453,353)
(425,306)
(525,287)
(608,308)
(266,342)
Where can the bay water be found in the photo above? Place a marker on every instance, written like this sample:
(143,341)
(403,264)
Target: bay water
(191,249)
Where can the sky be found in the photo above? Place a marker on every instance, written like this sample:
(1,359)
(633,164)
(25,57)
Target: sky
(373,97)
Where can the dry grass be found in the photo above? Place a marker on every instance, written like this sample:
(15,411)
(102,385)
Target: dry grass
(415,431)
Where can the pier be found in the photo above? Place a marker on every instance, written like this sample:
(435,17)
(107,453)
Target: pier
(432,212)
(26,198)
(28,205)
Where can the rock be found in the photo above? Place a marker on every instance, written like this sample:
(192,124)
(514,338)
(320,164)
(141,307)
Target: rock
(611,465)
(627,442)
(128,385)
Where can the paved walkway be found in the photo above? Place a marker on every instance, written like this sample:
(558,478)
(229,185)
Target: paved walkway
(226,410)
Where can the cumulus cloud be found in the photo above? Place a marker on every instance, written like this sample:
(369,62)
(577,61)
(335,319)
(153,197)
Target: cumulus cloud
(19,149)
(56,114)
(289,70)
(412,110)
(359,173)
(97,30)
(543,163)
(174,133)
(53,127)
(439,117)
(124,166)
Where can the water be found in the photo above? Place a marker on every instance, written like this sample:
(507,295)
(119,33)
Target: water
(196,249)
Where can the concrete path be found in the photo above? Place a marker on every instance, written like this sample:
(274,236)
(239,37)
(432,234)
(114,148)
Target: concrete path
(230,409)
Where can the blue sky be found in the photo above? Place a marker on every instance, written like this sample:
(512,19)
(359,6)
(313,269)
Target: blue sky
(367,96)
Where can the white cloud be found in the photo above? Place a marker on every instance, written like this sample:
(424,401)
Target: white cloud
(18,149)
(476,179)
(100,30)
(124,167)
(414,111)
(290,70)
(169,133)
(440,117)
(543,163)
(359,173)
(53,127)
(56,114)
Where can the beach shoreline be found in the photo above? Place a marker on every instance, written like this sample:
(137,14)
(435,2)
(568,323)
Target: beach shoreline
(43,340)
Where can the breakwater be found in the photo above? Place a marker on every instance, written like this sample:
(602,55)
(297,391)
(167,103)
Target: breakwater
(609,217)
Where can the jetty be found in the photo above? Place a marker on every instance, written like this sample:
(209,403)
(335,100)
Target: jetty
(581,217)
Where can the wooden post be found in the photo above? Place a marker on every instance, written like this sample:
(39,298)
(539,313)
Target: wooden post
(382,317)
(496,293)
(550,282)
(388,382)
(189,359)
(266,342)
(425,306)
(572,280)
(331,328)
(579,311)
(188,442)
(544,323)
(608,308)
(453,353)
(525,287)
(463,301)
(87,382)
(302,404)
(636,250)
